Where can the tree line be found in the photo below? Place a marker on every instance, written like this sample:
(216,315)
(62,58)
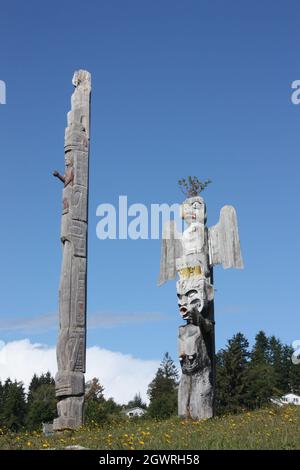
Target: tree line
(245,379)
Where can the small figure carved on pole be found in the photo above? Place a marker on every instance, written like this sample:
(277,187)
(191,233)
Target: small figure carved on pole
(59,176)
(68,177)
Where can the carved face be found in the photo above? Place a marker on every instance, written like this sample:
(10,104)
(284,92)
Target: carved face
(81,76)
(77,78)
(193,210)
(190,363)
(188,343)
(68,161)
(193,295)
(188,302)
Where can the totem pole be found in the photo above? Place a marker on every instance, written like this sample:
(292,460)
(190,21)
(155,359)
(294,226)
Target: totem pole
(192,255)
(71,344)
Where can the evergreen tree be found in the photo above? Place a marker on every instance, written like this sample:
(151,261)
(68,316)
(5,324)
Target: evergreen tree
(221,383)
(37,381)
(33,386)
(13,409)
(136,402)
(294,378)
(262,384)
(162,391)
(42,407)
(232,375)
(97,408)
(261,350)
(41,401)
(270,372)
(280,358)
(287,366)
(264,380)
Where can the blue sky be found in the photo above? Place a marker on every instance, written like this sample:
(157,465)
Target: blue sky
(179,88)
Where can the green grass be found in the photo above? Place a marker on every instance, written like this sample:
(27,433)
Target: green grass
(272,428)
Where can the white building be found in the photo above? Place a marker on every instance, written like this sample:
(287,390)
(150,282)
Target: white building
(134,412)
(288,399)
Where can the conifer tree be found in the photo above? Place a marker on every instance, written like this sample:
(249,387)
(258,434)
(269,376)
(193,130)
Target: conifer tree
(41,401)
(136,402)
(98,409)
(232,375)
(162,391)
(263,379)
(13,406)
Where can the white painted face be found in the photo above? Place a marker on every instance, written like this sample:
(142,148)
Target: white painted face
(193,210)
(189,302)
(193,296)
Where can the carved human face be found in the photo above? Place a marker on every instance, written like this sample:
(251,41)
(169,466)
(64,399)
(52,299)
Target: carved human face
(68,161)
(193,210)
(188,342)
(193,295)
(76,78)
(81,76)
(189,302)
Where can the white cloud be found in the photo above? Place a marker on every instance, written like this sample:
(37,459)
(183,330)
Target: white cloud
(122,375)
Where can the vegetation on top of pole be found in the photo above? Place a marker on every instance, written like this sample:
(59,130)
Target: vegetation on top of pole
(192,187)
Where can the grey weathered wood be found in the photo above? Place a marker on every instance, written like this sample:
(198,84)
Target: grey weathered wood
(224,242)
(192,255)
(71,344)
(171,249)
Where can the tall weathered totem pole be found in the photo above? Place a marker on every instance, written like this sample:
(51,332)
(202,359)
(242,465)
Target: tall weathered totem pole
(192,256)
(71,344)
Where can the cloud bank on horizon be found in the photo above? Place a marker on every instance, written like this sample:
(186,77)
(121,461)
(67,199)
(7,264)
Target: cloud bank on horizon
(122,375)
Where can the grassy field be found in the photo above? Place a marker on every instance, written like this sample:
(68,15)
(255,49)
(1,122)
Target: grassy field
(272,428)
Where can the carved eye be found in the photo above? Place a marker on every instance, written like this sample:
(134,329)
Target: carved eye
(196,205)
(191,293)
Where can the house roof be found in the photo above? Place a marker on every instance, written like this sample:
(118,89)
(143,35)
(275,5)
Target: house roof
(136,408)
(290,395)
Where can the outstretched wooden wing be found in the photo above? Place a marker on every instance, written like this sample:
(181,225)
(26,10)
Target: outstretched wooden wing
(171,248)
(224,242)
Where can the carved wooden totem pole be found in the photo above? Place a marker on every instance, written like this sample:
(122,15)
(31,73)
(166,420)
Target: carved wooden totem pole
(192,255)
(71,344)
